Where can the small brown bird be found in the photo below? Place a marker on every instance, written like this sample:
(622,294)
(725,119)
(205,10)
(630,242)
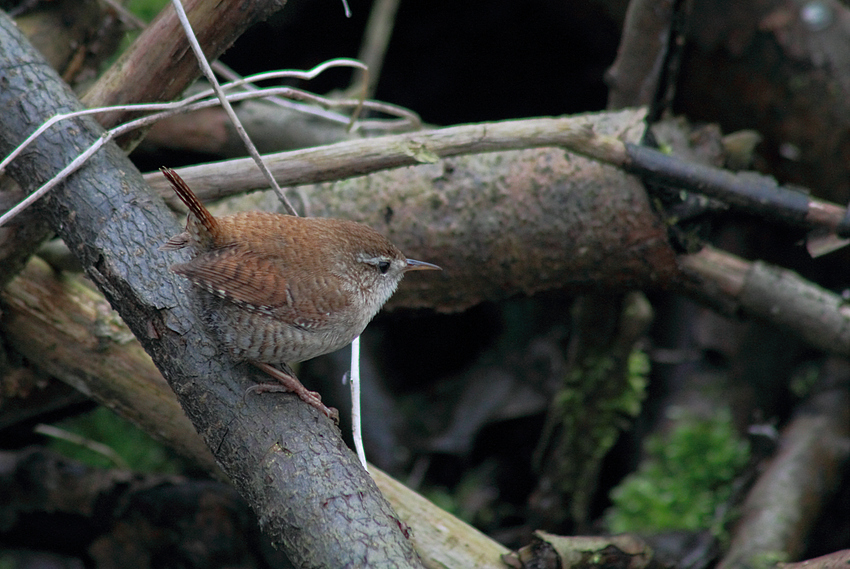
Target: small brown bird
(279,289)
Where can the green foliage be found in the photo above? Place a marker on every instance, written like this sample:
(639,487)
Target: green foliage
(804,379)
(768,559)
(683,480)
(140,452)
(146,9)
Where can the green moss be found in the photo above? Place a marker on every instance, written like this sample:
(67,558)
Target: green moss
(134,448)
(630,400)
(768,559)
(804,379)
(596,402)
(683,480)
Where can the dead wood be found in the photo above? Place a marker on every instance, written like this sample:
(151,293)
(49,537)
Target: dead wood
(780,510)
(312,496)
(157,67)
(769,294)
(45,309)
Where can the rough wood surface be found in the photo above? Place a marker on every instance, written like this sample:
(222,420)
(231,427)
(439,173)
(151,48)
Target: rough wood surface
(70,331)
(499,223)
(310,494)
(160,64)
(43,308)
(157,67)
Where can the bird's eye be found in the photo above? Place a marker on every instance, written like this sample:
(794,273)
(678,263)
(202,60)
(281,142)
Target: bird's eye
(383,266)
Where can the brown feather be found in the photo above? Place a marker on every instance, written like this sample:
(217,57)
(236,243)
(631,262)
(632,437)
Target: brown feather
(201,223)
(260,283)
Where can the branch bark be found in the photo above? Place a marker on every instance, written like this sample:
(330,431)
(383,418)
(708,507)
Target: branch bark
(289,463)
(499,223)
(579,222)
(634,77)
(42,308)
(39,299)
(157,67)
(69,331)
(771,294)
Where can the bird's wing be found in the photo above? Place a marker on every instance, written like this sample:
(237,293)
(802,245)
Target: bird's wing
(262,283)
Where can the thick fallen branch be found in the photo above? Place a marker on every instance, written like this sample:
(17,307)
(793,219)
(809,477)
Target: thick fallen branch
(74,314)
(97,354)
(290,465)
(499,223)
(69,331)
(598,136)
(159,65)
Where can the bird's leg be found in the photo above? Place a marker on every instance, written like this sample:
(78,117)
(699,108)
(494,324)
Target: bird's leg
(290,383)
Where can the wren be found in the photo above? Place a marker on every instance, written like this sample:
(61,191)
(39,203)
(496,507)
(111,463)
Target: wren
(279,289)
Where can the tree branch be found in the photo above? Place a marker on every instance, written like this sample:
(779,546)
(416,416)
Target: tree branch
(148,71)
(43,309)
(289,463)
(771,294)
(784,504)
(499,223)
(159,65)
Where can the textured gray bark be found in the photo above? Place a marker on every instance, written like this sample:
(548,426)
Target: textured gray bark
(157,67)
(307,488)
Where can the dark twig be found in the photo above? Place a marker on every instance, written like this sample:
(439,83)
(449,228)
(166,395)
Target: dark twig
(748,191)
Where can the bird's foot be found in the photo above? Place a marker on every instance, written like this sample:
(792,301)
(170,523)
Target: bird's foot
(290,384)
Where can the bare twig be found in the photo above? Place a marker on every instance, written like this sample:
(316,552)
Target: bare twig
(127,17)
(195,102)
(74,438)
(356,431)
(578,134)
(634,77)
(376,38)
(231,75)
(746,191)
(208,72)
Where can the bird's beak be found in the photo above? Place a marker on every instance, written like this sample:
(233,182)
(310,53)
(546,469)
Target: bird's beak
(414,265)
